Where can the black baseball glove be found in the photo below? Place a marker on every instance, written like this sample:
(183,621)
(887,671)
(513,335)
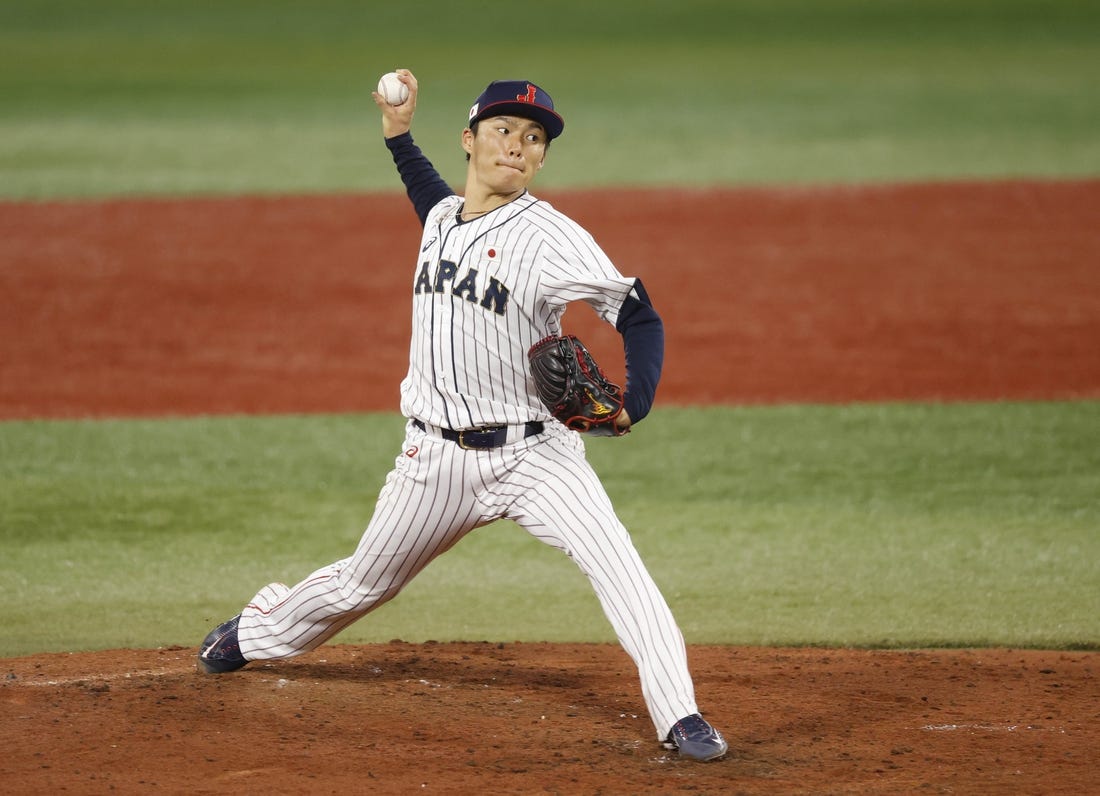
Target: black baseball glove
(574,389)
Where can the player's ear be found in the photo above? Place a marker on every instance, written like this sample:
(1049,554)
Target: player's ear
(468,140)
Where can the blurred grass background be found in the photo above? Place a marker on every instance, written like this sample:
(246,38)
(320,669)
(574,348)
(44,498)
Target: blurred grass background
(149,96)
(868,525)
(894,525)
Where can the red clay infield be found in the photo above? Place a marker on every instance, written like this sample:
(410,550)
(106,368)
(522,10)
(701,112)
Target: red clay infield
(982,291)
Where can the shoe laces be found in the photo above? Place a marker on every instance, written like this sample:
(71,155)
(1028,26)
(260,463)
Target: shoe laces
(694,727)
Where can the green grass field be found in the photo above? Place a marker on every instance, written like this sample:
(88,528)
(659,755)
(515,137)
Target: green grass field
(893,525)
(138,97)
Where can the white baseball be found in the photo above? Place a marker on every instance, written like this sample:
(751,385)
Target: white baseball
(393,89)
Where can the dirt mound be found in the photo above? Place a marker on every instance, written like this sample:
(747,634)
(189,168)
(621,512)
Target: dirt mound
(549,718)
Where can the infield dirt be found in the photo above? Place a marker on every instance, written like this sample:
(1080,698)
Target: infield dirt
(268,305)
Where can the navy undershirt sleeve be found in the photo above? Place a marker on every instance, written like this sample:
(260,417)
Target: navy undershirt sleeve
(644,343)
(422,182)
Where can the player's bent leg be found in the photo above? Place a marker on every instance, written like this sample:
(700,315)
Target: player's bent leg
(410,527)
(317,608)
(573,513)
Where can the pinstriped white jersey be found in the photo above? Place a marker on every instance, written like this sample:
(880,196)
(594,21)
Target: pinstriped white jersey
(484,292)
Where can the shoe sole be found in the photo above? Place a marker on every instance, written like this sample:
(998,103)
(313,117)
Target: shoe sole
(717,755)
(698,758)
(218,667)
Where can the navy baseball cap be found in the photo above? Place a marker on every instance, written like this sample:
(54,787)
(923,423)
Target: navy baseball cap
(518,98)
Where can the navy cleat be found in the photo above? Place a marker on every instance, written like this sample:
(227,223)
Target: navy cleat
(220,651)
(696,739)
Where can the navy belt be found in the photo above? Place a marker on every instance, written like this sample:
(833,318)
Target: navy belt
(483,438)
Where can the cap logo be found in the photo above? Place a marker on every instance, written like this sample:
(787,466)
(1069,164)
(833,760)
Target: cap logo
(518,98)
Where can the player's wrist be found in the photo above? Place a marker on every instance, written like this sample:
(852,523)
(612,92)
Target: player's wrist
(391,129)
(622,420)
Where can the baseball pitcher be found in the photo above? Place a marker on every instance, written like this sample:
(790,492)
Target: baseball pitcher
(497,401)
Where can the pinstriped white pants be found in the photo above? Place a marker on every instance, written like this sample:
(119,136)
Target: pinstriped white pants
(435,495)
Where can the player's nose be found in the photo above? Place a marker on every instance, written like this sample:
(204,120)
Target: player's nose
(514,145)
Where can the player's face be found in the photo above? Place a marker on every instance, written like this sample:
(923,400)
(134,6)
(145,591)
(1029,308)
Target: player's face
(506,152)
